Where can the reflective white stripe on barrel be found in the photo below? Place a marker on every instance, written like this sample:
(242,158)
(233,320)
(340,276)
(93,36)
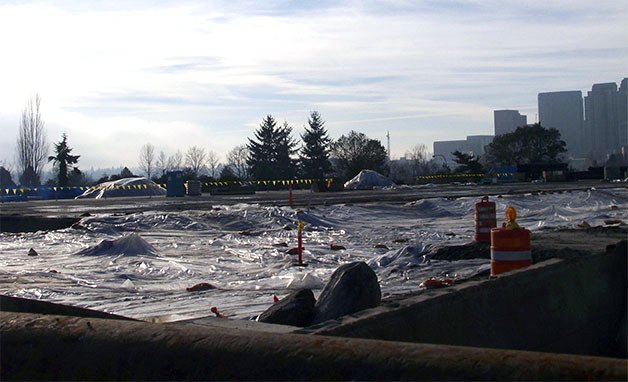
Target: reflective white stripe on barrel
(510,255)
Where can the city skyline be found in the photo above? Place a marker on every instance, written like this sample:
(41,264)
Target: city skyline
(184,73)
(592,127)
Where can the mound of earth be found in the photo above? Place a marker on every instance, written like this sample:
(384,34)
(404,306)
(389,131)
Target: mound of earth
(545,244)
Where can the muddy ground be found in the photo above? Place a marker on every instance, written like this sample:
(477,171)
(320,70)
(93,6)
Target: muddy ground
(547,243)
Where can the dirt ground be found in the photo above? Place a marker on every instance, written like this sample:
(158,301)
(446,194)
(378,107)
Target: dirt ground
(547,243)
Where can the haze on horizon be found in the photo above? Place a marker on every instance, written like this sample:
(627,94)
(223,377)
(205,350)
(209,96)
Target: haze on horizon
(117,75)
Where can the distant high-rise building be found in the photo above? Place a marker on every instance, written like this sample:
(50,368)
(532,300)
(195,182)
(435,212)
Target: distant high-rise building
(443,151)
(606,110)
(507,121)
(477,143)
(563,112)
(622,113)
(474,144)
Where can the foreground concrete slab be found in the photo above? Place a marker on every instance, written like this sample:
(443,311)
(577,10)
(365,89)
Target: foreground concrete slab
(575,306)
(217,322)
(24,305)
(48,347)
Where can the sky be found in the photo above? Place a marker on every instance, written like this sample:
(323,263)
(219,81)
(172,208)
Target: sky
(116,75)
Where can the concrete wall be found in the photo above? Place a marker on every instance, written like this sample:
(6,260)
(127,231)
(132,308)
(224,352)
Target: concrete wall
(47,347)
(573,306)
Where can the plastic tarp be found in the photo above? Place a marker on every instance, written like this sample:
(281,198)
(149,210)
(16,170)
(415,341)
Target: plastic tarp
(124,187)
(367,179)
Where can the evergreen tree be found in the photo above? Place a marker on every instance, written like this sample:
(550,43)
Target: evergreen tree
(314,156)
(261,151)
(103,179)
(62,160)
(469,164)
(29,177)
(285,147)
(77,178)
(227,174)
(270,154)
(126,173)
(5,178)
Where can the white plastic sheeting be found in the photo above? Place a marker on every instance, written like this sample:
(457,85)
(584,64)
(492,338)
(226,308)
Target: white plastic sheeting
(139,265)
(124,187)
(366,180)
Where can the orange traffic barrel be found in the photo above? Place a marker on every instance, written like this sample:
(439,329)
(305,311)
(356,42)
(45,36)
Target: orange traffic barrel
(510,249)
(484,220)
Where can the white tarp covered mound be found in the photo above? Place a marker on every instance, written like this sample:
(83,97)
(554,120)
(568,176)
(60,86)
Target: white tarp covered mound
(367,179)
(129,245)
(124,187)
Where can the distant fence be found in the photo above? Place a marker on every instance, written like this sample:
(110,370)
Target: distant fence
(449,176)
(56,192)
(284,182)
(464,177)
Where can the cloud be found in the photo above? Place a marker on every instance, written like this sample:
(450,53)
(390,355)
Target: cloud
(175,73)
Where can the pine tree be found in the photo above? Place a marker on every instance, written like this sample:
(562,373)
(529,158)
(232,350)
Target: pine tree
(62,160)
(5,178)
(262,150)
(285,148)
(270,155)
(314,156)
(469,163)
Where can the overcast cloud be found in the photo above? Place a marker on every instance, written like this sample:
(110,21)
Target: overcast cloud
(115,76)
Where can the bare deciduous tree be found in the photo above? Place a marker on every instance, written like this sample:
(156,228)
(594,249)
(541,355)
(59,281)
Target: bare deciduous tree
(413,164)
(236,158)
(162,162)
(418,156)
(195,158)
(175,161)
(147,159)
(32,144)
(212,162)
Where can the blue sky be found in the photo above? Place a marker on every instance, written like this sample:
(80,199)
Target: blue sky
(117,75)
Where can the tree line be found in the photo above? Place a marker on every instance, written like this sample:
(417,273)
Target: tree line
(272,153)
(527,145)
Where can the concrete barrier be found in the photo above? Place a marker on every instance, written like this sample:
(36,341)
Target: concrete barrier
(571,306)
(24,305)
(71,348)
